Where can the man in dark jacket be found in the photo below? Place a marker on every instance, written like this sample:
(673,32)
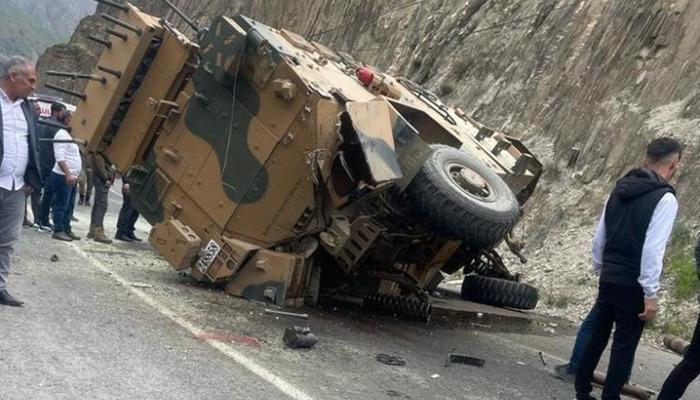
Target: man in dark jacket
(689,368)
(41,215)
(628,252)
(19,159)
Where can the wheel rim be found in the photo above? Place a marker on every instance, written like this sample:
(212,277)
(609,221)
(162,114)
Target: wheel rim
(469,181)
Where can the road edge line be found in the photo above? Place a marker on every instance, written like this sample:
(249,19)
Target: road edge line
(226,349)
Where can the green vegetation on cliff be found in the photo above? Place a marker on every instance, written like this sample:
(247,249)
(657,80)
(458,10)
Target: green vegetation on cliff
(20,34)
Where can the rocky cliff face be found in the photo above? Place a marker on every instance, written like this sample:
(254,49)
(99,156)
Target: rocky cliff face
(600,76)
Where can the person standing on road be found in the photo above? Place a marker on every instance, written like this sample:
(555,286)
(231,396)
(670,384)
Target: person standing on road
(689,368)
(64,179)
(85,182)
(19,159)
(126,225)
(628,252)
(103,178)
(48,160)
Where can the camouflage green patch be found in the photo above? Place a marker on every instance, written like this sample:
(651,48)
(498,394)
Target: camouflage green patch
(209,114)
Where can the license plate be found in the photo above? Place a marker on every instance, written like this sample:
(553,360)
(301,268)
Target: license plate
(207,256)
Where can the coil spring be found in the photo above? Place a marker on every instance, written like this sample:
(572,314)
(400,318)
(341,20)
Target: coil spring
(402,306)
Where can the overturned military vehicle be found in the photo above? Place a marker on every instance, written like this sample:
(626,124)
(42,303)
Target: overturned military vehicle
(290,173)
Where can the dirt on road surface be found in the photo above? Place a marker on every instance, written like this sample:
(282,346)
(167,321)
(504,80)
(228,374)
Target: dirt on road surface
(114,322)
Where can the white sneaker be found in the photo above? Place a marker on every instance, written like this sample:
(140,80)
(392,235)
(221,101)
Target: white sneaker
(44,229)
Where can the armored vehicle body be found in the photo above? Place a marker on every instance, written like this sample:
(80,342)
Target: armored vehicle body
(289,173)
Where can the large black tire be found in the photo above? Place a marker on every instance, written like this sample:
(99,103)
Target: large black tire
(479,220)
(499,292)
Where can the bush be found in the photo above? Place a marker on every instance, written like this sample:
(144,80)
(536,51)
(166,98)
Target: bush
(680,264)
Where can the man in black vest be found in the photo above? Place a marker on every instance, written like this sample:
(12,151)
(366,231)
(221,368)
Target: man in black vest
(46,155)
(628,252)
(19,159)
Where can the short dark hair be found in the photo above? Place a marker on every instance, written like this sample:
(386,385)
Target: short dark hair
(56,107)
(662,148)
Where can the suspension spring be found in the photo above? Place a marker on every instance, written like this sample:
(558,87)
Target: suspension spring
(402,306)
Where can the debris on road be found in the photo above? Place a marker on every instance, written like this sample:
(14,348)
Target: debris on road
(54,258)
(435,376)
(676,344)
(299,337)
(141,285)
(638,392)
(390,360)
(457,358)
(286,313)
(542,358)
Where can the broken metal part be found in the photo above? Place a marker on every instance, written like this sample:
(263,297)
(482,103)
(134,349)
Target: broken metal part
(116,5)
(489,263)
(110,71)
(676,344)
(286,314)
(348,242)
(456,358)
(66,91)
(76,75)
(637,392)
(106,43)
(390,360)
(299,337)
(515,247)
(120,35)
(127,26)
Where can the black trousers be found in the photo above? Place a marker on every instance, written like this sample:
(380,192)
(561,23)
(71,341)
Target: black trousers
(621,306)
(127,217)
(685,372)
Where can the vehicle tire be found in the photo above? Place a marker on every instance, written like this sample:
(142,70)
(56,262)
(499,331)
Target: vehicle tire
(499,292)
(459,196)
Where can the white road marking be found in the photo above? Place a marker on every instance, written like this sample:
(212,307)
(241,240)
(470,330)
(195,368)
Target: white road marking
(228,350)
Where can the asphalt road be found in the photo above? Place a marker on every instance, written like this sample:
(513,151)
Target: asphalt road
(116,322)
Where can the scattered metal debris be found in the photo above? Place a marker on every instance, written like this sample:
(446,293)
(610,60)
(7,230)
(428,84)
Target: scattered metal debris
(299,337)
(638,392)
(287,314)
(435,376)
(457,358)
(54,258)
(390,360)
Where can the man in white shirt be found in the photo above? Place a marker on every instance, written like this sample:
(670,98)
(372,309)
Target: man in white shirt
(63,181)
(19,160)
(628,252)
